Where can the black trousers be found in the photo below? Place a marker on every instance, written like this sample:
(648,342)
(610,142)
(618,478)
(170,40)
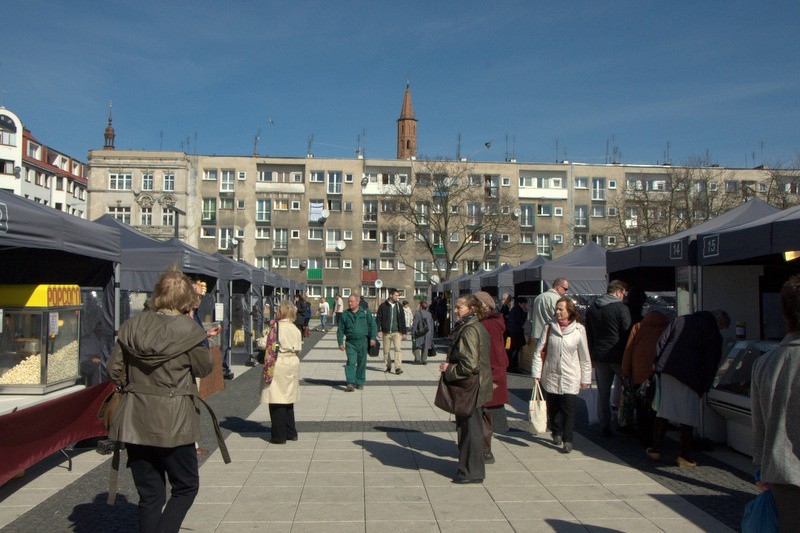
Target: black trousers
(563,404)
(148,465)
(282,417)
(470,445)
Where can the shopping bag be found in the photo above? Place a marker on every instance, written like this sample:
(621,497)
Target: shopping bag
(373,351)
(760,515)
(589,396)
(625,412)
(537,410)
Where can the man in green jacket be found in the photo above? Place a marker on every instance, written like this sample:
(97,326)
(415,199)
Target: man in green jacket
(358,328)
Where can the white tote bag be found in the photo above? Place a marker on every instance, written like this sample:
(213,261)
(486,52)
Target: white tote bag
(537,410)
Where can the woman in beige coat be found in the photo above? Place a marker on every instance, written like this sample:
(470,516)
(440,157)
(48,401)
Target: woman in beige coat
(281,382)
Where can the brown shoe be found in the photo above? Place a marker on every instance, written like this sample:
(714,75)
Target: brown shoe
(686,463)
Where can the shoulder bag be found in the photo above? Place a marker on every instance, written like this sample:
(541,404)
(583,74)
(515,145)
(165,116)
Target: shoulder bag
(458,397)
(537,410)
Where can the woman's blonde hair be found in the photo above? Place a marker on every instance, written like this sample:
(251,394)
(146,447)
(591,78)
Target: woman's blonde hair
(288,310)
(173,290)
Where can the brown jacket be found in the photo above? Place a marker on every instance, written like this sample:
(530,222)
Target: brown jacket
(161,354)
(469,352)
(637,361)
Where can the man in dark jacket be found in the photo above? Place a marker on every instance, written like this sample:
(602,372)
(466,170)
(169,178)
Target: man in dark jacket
(608,322)
(515,331)
(392,328)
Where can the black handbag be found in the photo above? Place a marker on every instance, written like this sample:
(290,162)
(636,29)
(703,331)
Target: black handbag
(374,350)
(457,397)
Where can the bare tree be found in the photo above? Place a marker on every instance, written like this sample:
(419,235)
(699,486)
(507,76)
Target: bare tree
(447,214)
(781,185)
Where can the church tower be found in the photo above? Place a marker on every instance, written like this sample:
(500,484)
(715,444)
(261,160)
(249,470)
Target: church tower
(407,129)
(109,134)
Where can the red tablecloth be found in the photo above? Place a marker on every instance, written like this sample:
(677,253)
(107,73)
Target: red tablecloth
(29,435)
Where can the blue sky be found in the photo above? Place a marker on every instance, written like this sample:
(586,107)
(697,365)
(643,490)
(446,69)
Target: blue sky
(721,78)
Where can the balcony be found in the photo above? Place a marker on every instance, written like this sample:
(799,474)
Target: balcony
(314,274)
(369,275)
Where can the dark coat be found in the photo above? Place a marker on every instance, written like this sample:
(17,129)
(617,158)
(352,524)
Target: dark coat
(384,316)
(495,325)
(469,353)
(426,341)
(159,352)
(690,350)
(608,321)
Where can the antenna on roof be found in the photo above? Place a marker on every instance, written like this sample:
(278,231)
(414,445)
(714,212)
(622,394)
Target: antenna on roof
(458,148)
(255,142)
(309,145)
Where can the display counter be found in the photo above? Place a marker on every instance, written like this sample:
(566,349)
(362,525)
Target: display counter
(730,394)
(39,338)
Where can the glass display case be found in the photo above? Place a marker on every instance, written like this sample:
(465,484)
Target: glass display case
(730,394)
(39,338)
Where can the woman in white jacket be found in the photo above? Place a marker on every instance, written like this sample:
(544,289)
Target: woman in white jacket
(566,370)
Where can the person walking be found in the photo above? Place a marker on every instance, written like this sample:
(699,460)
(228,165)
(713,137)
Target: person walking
(338,308)
(409,314)
(467,356)
(494,413)
(637,368)
(608,321)
(422,333)
(358,330)
(515,330)
(155,360)
(281,377)
(775,394)
(566,370)
(391,321)
(324,310)
(544,307)
(688,354)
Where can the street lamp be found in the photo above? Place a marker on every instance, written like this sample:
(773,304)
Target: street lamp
(178,213)
(238,244)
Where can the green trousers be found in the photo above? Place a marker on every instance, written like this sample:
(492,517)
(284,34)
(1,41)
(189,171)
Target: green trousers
(355,370)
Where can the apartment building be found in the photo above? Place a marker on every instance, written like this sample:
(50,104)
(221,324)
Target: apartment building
(33,170)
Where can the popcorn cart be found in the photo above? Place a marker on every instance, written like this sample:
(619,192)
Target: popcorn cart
(39,336)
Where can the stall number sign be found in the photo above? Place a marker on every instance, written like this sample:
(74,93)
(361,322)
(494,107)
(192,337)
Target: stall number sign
(711,246)
(676,250)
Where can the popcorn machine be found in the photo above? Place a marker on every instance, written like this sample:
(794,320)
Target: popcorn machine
(39,336)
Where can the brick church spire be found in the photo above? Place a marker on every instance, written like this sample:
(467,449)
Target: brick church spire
(407,129)
(109,134)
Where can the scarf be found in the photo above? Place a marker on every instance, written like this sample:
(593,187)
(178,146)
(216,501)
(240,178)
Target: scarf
(272,352)
(564,323)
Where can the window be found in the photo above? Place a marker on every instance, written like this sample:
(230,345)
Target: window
(146,216)
(264,176)
(332,263)
(348,178)
(295,205)
(526,237)
(225,237)
(612,211)
(598,211)
(239,204)
(335,182)
(281,204)
(334,205)
(526,216)
(597,239)
(296,177)
(226,182)
(611,240)
(558,238)
(33,150)
(544,210)
(210,174)
(491,186)
(169,182)
(581,212)
(347,264)
(713,186)
(347,207)
(386,264)
(167,217)
(558,211)
(314,234)
(526,182)
(506,181)
(542,244)
(580,239)
(369,235)
(731,186)
(263,210)
(454,236)
(262,233)
(348,235)
(473,214)
(262,262)
(209,210)
(612,184)
(370,211)
(242,175)
(581,183)
(226,203)
(598,188)
(147,181)
(280,262)
(555,183)
(280,239)
(421,270)
(123,214)
(295,234)
(369,263)
(387,241)
(317,176)
(119,182)
(208,232)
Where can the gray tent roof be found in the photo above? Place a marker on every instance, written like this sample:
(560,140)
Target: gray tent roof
(529,270)
(584,267)
(772,234)
(53,246)
(674,250)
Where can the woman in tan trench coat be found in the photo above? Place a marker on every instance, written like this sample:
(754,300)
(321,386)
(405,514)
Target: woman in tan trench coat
(281,392)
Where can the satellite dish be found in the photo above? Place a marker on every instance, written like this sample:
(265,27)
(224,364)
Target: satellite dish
(341,245)
(326,213)
(434,279)
(517,212)
(378,284)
